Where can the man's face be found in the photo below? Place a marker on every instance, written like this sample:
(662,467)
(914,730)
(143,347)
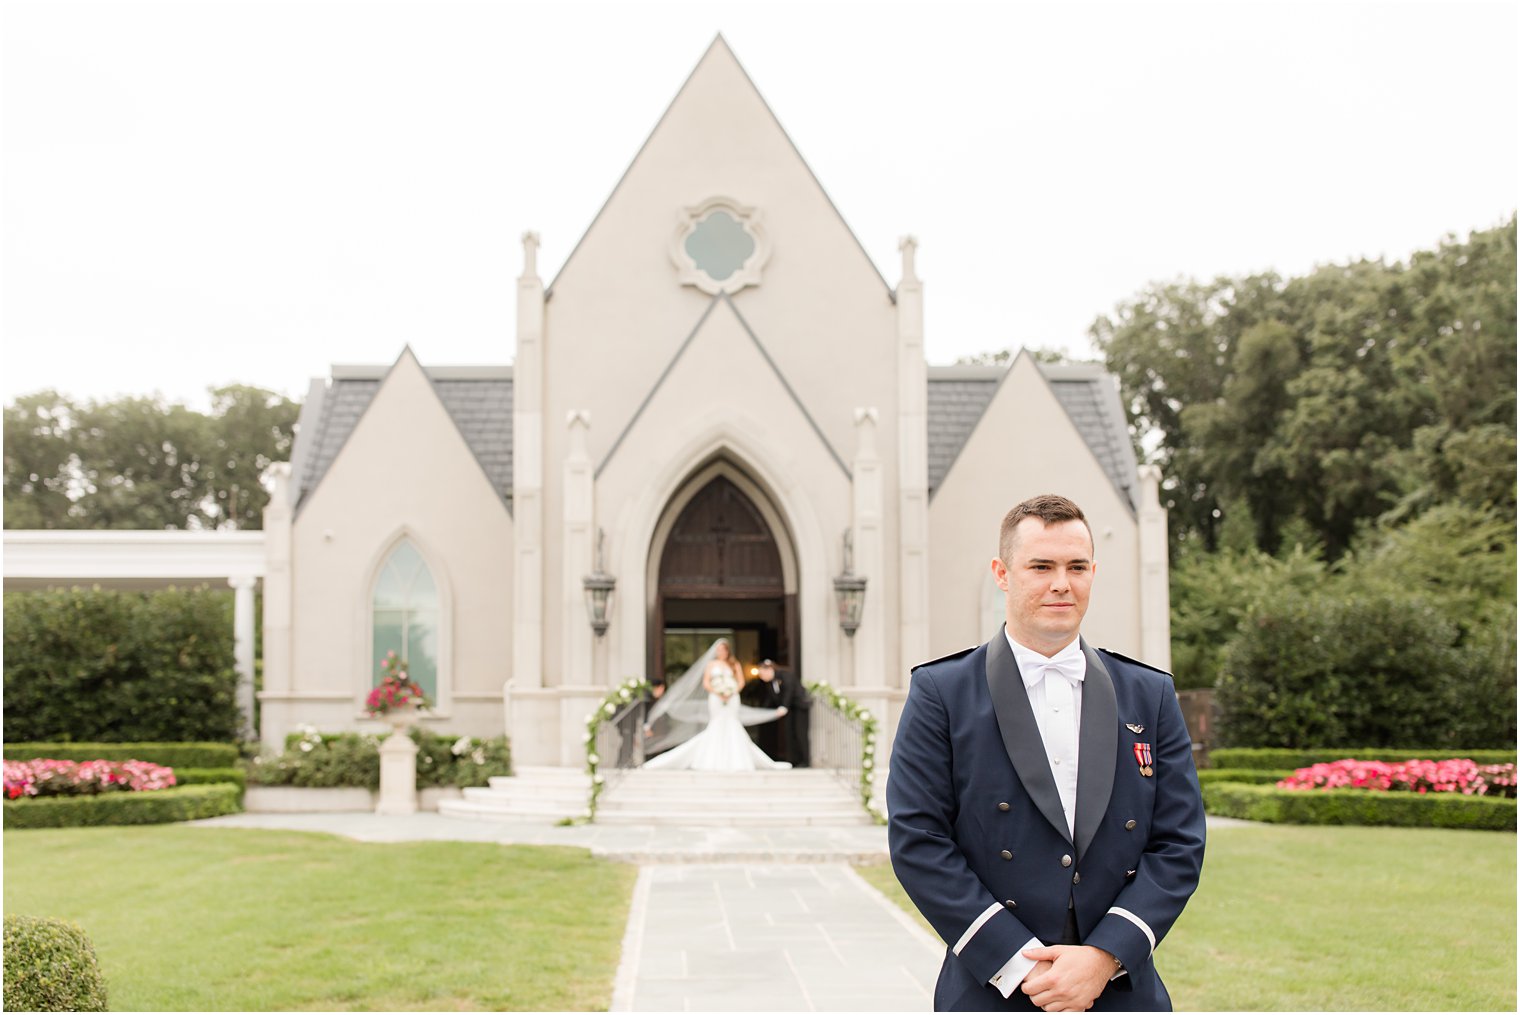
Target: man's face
(1047,579)
(767,673)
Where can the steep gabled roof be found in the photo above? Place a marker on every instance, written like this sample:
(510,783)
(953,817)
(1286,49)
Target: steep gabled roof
(477,398)
(718,47)
(958,397)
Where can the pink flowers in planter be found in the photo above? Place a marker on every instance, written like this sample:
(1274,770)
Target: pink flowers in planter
(47,777)
(1457,775)
(396,689)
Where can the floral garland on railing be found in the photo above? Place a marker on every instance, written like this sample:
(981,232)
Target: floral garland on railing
(847,708)
(610,705)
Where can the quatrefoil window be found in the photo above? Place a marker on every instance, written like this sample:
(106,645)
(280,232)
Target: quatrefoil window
(720,246)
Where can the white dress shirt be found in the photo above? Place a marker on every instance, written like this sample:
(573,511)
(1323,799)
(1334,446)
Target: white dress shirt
(1054,686)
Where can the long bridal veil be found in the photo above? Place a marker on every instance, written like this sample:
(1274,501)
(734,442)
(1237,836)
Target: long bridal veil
(681,712)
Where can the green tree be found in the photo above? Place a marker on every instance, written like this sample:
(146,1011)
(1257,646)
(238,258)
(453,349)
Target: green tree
(139,463)
(40,464)
(252,429)
(1352,393)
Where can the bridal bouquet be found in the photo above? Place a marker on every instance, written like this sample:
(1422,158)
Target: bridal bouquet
(724,685)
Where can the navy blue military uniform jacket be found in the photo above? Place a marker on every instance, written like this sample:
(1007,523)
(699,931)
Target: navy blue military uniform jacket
(980,842)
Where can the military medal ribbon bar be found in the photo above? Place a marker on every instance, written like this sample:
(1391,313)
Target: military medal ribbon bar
(1143,759)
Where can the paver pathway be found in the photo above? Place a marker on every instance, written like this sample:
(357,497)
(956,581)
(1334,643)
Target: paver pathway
(770,937)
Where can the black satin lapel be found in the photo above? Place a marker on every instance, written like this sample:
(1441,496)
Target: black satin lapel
(1098,749)
(1021,736)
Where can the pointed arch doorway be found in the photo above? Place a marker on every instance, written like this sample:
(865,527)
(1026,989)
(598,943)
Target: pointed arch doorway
(724,566)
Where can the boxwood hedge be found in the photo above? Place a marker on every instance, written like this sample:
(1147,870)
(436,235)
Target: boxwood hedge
(1358,807)
(50,965)
(1247,775)
(156,807)
(1287,758)
(117,666)
(173,755)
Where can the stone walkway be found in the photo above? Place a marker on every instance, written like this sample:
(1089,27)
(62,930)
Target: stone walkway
(723,919)
(770,937)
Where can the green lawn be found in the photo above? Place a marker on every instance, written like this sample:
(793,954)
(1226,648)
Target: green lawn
(1292,918)
(199,919)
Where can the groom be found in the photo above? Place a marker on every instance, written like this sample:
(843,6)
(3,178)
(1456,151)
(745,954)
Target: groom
(1044,812)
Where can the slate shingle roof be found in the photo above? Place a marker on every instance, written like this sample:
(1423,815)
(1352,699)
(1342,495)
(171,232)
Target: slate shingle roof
(480,401)
(959,395)
(957,398)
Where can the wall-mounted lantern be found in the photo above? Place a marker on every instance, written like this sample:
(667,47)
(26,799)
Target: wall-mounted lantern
(599,585)
(849,590)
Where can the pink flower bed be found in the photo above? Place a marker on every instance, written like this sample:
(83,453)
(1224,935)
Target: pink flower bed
(1458,775)
(46,777)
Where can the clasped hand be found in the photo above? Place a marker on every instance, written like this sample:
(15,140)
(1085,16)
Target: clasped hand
(1067,977)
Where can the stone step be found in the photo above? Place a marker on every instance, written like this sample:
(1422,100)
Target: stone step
(525,793)
(709,818)
(528,787)
(625,798)
(494,809)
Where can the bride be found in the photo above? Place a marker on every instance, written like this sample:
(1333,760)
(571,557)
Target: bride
(721,745)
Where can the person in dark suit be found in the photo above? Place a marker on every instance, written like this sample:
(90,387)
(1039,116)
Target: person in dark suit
(759,692)
(786,691)
(1044,813)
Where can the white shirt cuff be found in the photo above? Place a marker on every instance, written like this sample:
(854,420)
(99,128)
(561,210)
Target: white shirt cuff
(1007,979)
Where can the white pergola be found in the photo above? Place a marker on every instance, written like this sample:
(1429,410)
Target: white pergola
(133,559)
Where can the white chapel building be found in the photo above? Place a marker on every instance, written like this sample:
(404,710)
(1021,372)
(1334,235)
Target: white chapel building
(719,406)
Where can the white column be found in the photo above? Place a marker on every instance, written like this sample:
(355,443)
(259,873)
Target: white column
(870,555)
(242,649)
(912,471)
(278,595)
(527,475)
(578,553)
(1155,573)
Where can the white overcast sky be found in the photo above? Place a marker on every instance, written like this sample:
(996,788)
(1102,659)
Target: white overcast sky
(212,192)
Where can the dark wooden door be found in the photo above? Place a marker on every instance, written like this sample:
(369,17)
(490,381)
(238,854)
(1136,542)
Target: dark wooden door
(721,567)
(721,548)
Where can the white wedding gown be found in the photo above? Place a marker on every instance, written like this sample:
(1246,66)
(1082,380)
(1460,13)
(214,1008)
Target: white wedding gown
(722,746)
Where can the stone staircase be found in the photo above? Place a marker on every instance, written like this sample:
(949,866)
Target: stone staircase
(730,799)
(803,797)
(538,793)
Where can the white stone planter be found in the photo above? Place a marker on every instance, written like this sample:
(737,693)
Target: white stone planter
(300,800)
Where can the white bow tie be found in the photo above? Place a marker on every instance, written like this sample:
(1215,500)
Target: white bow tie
(1073,667)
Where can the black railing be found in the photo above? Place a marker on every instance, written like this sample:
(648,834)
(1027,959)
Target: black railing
(620,741)
(838,743)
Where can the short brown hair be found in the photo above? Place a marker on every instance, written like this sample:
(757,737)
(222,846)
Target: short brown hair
(1049,508)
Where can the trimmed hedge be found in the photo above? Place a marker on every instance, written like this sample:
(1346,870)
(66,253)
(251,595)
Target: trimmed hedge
(207,776)
(105,665)
(1358,807)
(1292,758)
(1247,775)
(182,803)
(50,965)
(171,755)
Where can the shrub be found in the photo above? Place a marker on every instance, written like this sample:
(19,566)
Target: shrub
(50,965)
(175,756)
(182,803)
(313,759)
(1211,595)
(205,776)
(1321,668)
(1259,776)
(1289,759)
(1350,807)
(120,666)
